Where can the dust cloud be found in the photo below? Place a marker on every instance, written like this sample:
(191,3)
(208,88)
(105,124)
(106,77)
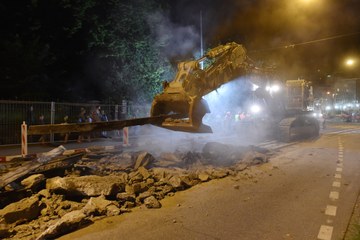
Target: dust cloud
(175,40)
(226,104)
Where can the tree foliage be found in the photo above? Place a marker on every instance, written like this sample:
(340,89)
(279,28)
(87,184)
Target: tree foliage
(80,50)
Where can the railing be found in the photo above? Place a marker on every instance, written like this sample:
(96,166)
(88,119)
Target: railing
(13,113)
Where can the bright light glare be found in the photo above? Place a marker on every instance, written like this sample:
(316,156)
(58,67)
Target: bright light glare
(328,108)
(254,87)
(350,62)
(273,88)
(317,115)
(255,108)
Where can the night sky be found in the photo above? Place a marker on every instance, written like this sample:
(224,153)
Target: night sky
(323,32)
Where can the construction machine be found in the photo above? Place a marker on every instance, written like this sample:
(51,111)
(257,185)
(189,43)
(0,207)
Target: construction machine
(181,106)
(223,64)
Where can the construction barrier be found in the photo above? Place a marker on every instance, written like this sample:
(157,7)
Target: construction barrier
(24,144)
(126,137)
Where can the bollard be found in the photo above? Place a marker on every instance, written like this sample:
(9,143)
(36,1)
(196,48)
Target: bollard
(126,137)
(24,146)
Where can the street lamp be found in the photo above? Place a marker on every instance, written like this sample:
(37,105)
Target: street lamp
(349,62)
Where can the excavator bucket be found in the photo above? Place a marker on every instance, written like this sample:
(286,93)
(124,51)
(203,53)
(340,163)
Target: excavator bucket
(189,112)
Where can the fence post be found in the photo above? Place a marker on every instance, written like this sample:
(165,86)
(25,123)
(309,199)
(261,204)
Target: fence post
(123,109)
(24,146)
(52,120)
(116,115)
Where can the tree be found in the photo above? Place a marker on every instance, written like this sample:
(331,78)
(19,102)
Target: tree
(128,62)
(80,50)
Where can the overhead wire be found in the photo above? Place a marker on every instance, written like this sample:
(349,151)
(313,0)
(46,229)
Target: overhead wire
(307,42)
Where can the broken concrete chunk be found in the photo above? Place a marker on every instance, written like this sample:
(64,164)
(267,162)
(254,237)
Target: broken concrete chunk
(22,211)
(100,206)
(33,181)
(219,173)
(204,177)
(124,196)
(152,202)
(144,172)
(68,223)
(144,159)
(91,186)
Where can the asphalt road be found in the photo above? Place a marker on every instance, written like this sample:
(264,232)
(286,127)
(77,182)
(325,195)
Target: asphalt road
(306,191)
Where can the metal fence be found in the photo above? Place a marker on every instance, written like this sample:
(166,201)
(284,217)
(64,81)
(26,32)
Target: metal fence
(13,113)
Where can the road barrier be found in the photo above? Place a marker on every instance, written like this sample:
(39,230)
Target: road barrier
(24,146)
(126,137)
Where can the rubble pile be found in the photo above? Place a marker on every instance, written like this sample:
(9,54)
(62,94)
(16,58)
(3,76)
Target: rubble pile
(107,183)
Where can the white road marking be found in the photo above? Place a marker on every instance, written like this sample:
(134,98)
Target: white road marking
(336,184)
(325,232)
(334,195)
(339,169)
(330,210)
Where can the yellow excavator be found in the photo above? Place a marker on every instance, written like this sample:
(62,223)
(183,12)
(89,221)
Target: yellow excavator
(184,95)
(181,106)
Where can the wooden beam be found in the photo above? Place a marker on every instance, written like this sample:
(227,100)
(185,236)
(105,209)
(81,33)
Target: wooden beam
(95,126)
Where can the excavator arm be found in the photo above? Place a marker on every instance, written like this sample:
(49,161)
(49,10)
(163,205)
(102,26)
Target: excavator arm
(184,95)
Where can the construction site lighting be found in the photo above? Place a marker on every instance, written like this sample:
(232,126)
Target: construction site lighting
(273,88)
(255,108)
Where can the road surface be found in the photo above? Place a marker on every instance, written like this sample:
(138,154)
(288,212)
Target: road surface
(306,191)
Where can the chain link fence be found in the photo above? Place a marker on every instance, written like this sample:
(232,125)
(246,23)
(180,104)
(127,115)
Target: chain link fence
(14,113)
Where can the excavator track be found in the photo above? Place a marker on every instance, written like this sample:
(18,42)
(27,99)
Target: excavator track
(299,127)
